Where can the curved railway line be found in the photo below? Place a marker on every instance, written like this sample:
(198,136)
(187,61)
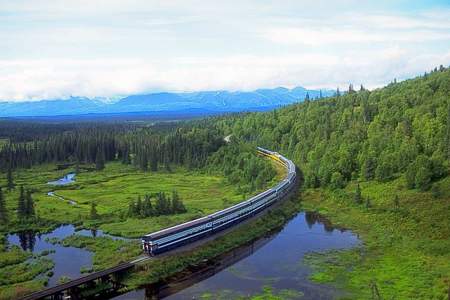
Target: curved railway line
(175,237)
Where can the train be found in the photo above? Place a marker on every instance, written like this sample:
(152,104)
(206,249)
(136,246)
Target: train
(173,237)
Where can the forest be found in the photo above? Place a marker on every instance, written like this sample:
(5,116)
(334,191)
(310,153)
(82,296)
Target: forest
(376,162)
(362,135)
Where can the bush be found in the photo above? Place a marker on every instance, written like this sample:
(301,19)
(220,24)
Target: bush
(436,191)
(337,181)
(410,176)
(423,178)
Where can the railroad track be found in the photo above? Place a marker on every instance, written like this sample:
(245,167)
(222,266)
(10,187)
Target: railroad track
(173,237)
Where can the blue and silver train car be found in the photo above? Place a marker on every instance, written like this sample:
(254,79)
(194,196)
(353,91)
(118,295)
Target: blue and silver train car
(169,238)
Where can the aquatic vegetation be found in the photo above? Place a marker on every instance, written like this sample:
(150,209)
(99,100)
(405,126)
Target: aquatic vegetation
(406,252)
(267,293)
(107,252)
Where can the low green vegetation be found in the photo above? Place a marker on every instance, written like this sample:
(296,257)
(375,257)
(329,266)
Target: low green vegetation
(405,234)
(112,190)
(107,252)
(116,197)
(267,293)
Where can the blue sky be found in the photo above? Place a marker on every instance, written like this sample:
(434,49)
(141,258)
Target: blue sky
(58,49)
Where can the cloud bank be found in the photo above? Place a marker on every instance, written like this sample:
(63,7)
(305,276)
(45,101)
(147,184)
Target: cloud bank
(107,49)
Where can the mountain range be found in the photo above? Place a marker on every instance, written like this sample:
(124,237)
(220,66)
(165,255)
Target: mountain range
(211,101)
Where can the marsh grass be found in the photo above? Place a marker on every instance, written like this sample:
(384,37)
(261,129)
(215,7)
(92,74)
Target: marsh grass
(406,251)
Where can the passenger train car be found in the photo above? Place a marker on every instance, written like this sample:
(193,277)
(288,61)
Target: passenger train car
(169,238)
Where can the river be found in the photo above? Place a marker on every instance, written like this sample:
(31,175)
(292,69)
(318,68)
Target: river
(274,261)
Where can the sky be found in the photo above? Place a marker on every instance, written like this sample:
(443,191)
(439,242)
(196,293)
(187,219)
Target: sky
(113,48)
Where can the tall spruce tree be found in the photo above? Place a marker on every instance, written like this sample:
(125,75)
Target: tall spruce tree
(29,205)
(3,211)
(131,209)
(177,204)
(153,162)
(147,207)
(100,160)
(93,212)
(21,206)
(138,207)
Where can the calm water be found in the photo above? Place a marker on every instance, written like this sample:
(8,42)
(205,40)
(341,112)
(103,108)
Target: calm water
(69,178)
(68,260)
(274,261)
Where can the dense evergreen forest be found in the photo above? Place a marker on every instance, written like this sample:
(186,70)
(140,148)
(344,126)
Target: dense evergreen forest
(403,128)
(146,147)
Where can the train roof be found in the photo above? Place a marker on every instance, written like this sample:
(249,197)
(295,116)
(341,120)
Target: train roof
(291,170)
(175,228)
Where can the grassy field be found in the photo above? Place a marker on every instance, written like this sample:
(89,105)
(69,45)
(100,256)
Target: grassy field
(112,189)
(406,251)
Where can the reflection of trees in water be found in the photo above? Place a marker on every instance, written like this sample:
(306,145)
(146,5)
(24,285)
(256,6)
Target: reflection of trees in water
(312,218)
(27,240)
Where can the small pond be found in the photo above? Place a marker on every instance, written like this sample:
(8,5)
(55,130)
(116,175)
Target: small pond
(68,260)
(69,178)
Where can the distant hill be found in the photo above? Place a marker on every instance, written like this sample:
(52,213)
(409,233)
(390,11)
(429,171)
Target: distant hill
(212,101)
(365,135)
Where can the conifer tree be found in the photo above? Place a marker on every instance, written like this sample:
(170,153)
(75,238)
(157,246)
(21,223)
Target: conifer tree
(396,202)
(131,208)
(153,162)
(358,197)
(368,203)
(138,207)
(21,207)
(177,204)
(161,207)
(143,162)
(3,211)
(350,88)
(93,212)
(29,205)
(148,209)
(100,160)
(10,179)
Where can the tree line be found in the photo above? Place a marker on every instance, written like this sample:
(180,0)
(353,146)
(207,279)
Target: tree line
(161,204)
(400,130)
(25,206)
(242,167)
(147,148)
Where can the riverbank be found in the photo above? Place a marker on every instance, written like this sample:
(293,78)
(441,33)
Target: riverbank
(162,268)
(406,251)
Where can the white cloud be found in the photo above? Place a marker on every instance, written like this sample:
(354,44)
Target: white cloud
(102,48)
(37,79)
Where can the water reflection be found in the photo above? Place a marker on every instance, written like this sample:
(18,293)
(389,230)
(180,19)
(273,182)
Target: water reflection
(275,260)
(27,240)
(68,260)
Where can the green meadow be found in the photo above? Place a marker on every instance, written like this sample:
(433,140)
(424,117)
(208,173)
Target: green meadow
(405,252)
(112,189)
